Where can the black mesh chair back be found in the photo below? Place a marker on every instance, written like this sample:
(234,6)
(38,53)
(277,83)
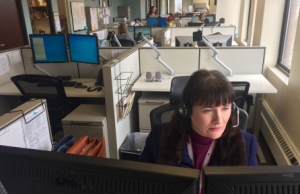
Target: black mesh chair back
(163,114)
(241,91)
(123,42)
(243,117)
(45,87)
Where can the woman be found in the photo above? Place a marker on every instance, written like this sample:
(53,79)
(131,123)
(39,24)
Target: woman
(152,12)
(201,18)
(204,123)
(123,33)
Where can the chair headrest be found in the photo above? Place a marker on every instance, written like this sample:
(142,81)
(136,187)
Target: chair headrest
(177,86)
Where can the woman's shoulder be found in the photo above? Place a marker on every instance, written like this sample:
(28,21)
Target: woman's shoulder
(247,136)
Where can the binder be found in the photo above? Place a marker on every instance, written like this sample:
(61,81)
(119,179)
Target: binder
(27,126)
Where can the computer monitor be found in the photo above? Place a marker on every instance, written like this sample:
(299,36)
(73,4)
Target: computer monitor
(210,17)
(219,40)
(49,48)
(145,29)
(152,21)
(83,48)
(251,180)
(131,30)
(195,19)
(163,22)
(36,172)
(184,41)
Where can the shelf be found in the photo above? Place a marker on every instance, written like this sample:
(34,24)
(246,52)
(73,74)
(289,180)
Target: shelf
(40,18)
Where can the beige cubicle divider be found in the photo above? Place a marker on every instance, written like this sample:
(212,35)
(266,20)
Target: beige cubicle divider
(241,60)
(182,61)
(156,33)
(124,69)
(224,30)
(11,64)
(68,69)
(165,37)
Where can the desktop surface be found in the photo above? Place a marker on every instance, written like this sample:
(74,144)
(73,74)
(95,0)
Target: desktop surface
(49,48)
(10,89)
(258,83)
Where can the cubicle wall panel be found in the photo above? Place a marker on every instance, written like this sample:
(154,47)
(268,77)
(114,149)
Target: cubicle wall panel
(55,69)
(90,71)
(243,60)
(182,61)
(9,68)
(119,130)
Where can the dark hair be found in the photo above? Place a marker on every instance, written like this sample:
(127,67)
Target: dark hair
(150,10)
(203,88)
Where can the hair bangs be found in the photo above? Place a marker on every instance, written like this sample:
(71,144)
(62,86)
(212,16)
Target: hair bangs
(213,93)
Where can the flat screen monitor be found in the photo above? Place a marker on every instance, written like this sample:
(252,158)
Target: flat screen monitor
(195,19)
(145,29)
(163,22)
(47,48)
(131,30)
(83,48)
(210,17)
(251,180)
(152,21)
(36,172)
(190,24)
(184,41)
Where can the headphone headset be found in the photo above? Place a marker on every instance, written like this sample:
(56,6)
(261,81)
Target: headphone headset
(94,88)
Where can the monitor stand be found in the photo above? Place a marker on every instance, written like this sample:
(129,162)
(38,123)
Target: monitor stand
(38,68)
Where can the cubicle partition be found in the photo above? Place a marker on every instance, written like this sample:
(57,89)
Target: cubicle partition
(165,37)
(119,75)
(69,69)
(225,30)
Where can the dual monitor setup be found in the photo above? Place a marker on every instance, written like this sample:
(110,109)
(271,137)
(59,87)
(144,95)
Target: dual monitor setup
(52,48)
(157,22)
(134,31)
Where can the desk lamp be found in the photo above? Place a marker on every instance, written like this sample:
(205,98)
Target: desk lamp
(221,21)
(140,35)
(112,35)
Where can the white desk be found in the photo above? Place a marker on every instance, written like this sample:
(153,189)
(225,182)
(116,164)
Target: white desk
(258,83)
(10,89)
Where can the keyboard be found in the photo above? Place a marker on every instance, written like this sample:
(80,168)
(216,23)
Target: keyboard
(69,83)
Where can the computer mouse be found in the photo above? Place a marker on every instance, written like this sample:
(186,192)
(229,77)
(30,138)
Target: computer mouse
(79,84)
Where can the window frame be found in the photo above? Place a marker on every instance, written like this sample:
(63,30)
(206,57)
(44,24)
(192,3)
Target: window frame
(284,31)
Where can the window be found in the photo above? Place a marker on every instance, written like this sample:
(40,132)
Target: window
(288,33)
(178,6)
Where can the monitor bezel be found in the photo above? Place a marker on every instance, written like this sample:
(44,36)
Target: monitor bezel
(83,35)
(135,31)
(32,50)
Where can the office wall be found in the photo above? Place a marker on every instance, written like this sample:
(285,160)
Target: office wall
(138,7)
(115,4)
(268,29)
(92,3)
(212,7)
(230,10)
(26,16)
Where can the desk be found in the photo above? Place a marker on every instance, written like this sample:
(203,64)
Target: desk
(10,89)
(258,85)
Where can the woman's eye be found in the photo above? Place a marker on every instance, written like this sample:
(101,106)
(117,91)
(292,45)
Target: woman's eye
(225,108)
(205,111)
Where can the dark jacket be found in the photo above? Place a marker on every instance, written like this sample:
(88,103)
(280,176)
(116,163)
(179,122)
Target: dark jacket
(150,151)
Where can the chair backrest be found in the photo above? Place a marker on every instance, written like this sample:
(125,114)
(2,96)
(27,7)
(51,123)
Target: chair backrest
(241,91)
(123,42)
(45,87)
(243,117)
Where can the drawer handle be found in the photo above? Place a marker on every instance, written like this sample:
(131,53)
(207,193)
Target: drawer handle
(155,102)
(87,123)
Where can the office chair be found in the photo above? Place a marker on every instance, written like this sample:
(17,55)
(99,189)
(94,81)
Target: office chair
(241,91)
(123,42)
(49,88)
(164,113)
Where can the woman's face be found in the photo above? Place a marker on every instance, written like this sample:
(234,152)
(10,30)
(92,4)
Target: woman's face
(210,121)
(153,10)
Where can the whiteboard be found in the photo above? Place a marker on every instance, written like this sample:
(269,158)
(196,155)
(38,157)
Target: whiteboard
(29,131)
(78,16)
